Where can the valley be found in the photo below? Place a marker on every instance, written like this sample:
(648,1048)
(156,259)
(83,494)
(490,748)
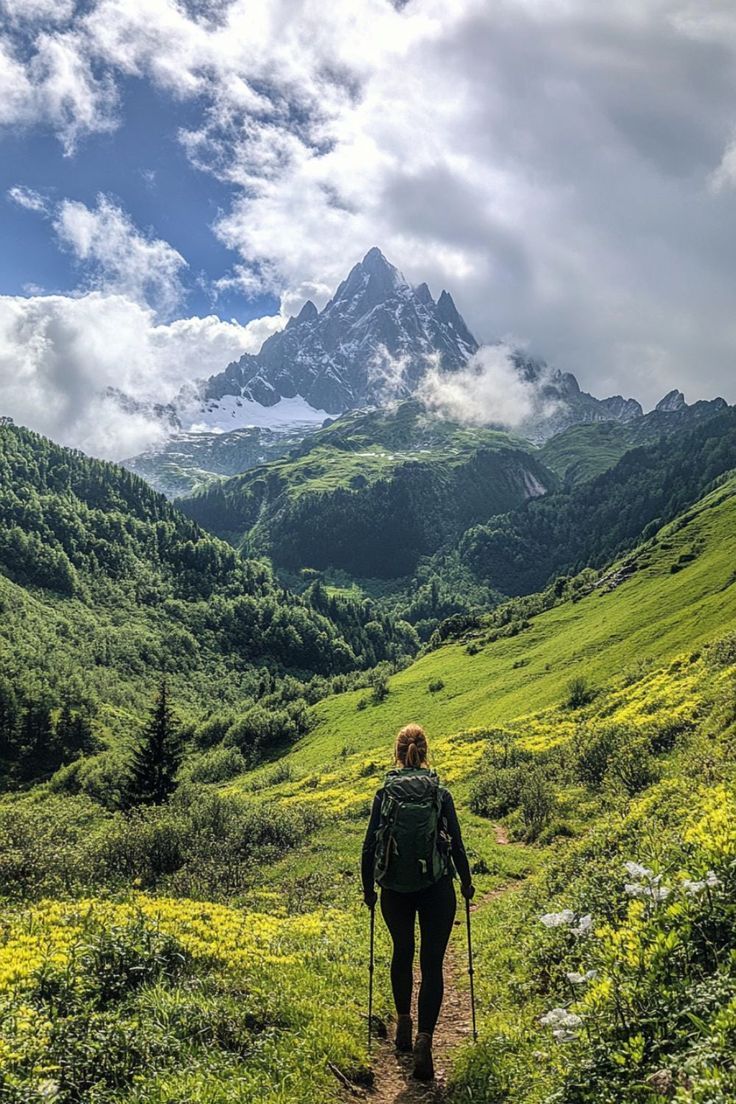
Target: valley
(198,700)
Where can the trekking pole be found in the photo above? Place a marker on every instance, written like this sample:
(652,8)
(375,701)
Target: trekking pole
(370,977)
(470,967)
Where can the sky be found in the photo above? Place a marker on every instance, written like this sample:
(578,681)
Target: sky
(176,178)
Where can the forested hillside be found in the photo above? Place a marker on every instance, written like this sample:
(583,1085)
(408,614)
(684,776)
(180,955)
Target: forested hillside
(584,451)
(373,493)
(106,587)
(595,521)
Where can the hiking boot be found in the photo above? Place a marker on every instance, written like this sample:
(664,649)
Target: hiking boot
(423,1064)
(404,1035)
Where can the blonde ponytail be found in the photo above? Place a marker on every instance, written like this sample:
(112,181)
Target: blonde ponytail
(411,749)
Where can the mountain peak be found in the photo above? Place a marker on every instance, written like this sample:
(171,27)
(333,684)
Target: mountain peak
(673,400)
(308,313)
(370,344)
(424,295)
(374,259)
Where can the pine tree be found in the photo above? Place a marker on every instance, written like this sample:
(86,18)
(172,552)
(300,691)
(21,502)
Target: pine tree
(152,773)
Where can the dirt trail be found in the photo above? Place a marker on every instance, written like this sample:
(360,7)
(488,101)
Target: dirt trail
(394,1083)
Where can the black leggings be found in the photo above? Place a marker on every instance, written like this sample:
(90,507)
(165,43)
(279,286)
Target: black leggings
(436,909)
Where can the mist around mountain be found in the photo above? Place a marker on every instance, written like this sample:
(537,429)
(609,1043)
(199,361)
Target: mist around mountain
(378,341)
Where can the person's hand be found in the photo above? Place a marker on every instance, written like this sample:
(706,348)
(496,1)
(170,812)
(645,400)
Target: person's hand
(370,899)
(468,891)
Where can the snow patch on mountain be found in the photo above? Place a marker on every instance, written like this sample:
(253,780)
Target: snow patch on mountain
(235,412)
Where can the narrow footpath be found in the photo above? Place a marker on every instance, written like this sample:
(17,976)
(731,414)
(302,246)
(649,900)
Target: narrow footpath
(394,1083)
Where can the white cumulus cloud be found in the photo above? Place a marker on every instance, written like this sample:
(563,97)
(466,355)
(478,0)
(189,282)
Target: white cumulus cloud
(59,355)
(118,256)
(488,390)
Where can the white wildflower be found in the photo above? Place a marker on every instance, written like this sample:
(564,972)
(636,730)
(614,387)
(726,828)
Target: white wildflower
(637,871)
(576,978)
(694,888)
(635,889)
(584,926)
(563,1024)
(562,1035)
(560,1017)
(557,919)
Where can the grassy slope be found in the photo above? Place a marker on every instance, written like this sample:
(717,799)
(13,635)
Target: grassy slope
(371,445)
(646,621)
(584,451)
(653,615)
(353,454)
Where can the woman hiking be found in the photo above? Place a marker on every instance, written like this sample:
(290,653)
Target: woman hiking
(412,849)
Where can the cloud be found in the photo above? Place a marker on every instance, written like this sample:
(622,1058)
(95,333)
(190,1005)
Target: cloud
(55,86)
(489,390)
(388,374)
(54,11)
(118,256)
(58,356)
(28,198)
(566,169)
(724,176)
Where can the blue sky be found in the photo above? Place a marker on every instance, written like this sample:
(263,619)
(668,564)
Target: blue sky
(143,167)
(196,169)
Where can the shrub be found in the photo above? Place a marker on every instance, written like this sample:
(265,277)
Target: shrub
(435,686)
(579,692)
(722,653)
(537,801)
(102,777)
(217,765)
(380,690)
(592,758)
(497,786)
(45,845)
(633,766)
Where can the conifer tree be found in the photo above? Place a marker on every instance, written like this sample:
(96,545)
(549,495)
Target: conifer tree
(152,772)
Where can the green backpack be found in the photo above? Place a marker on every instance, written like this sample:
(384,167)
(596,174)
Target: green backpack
(412,848)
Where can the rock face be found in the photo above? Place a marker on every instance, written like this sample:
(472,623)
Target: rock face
(372,343)
(673,401)
(562,404)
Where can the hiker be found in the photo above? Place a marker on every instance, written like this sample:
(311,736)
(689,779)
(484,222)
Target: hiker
(412,849)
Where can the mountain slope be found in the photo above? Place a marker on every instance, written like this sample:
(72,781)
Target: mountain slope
(373,492)
(190,461)
(105,588)
(594,521)
(586,450)
(653,614)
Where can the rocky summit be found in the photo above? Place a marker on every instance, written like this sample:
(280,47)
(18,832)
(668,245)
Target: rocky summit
(370,344)
(373,344)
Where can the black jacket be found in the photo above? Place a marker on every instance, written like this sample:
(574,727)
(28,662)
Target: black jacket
(449,816)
